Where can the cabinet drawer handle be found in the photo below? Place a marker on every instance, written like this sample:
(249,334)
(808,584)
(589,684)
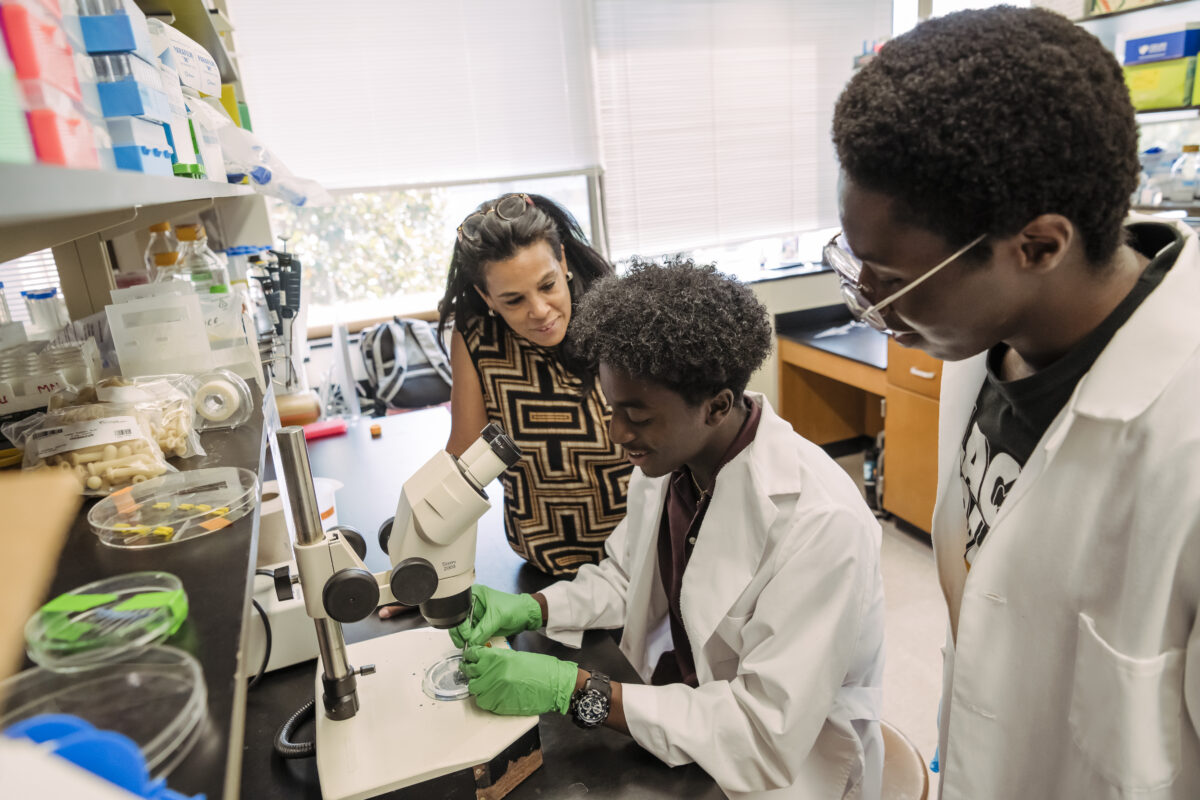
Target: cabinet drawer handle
(920,373)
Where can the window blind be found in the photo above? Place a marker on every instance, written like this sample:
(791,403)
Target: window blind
(714,116)
(369,94)
(33,271)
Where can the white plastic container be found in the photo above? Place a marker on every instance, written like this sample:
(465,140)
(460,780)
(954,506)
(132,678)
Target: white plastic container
(1185,175)
(160,335)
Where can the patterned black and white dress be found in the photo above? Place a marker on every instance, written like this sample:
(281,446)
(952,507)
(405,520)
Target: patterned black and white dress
(567,493)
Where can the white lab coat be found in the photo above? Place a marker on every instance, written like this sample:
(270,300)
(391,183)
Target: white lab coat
(783,603)
(1077,667)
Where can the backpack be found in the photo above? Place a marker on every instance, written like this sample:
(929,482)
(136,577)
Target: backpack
(406,364)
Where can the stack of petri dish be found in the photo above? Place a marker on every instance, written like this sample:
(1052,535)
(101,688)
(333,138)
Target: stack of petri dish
(101,660)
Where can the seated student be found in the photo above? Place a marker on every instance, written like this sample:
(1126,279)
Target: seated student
(988,159)
(745,574)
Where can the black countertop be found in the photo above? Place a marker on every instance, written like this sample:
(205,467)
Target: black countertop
(832,329)
(600,763)
(216,574)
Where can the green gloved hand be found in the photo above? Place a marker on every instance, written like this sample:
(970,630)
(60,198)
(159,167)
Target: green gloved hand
(513,682)
(496,613)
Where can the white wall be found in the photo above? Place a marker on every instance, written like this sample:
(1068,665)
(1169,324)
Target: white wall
(780,297)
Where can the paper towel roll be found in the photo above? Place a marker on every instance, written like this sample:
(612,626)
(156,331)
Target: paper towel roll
(274,540)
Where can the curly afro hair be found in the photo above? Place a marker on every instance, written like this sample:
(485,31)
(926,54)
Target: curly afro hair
(686,327)
(979,121)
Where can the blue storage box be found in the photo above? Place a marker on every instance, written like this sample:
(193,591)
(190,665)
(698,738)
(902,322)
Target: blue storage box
(1163,44)
(133,99)
(126,131)
(121,32)
(139,158)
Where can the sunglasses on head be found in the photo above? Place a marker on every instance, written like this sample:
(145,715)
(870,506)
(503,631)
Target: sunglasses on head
(507,208)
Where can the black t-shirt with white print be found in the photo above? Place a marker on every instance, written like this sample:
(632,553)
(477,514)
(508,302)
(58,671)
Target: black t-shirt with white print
(1010,416)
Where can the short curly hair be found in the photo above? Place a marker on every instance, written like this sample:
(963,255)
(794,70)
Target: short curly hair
(979,121)
(687,327)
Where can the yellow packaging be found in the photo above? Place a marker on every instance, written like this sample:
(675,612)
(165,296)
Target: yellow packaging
(229,102)
(1161,84)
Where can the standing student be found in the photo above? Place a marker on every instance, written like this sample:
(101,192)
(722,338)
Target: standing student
(987,162)
(520,265)
(746,575)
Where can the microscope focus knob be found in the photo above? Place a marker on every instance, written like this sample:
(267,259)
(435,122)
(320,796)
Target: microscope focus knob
(350,595)
(357,543)
(414,580)
(385,534)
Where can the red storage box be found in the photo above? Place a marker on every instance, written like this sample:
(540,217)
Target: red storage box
(64,139)
(38,47)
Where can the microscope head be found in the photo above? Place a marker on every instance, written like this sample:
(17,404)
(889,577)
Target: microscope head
(432,541)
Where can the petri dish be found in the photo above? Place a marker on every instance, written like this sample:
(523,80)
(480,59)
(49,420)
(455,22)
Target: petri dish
(156,696)
(105,620)
(444,680)
(175,507)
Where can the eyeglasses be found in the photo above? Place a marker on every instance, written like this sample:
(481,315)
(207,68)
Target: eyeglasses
(507,208)
(849,269)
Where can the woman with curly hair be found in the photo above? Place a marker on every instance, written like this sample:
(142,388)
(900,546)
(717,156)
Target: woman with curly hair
(520,264)
(746,574)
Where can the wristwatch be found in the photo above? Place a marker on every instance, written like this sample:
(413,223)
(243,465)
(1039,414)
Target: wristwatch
(590,705)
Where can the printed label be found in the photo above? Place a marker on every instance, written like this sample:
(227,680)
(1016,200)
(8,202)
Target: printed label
(52,441)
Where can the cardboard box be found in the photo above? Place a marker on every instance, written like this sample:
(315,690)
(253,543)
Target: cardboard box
(1163,44)
(1161,84)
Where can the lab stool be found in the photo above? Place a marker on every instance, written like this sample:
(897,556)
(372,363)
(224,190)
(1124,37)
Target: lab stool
(904,775)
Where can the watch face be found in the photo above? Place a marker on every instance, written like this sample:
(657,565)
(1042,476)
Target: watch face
(592,707)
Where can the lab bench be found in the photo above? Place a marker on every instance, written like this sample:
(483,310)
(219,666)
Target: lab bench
(233,755)
(598,763)
(840,380)
(216,575)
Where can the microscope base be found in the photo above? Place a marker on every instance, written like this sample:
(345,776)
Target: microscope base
(293,637)
(401,737)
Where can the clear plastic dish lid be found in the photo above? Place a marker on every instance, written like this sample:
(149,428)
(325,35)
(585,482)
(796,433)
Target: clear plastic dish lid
(105,620)
(174,507)
(156,696)
(445,680)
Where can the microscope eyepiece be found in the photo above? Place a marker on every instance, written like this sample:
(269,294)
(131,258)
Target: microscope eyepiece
(505,449)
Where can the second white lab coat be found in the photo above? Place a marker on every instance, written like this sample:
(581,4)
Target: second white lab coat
(783,603)
(1075,669)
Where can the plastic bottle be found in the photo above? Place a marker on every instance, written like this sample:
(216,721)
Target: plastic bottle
(197,264)
(162,252)
(5,313)
(47,312)
(1185,175)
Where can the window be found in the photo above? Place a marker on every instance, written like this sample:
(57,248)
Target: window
(714,117)
(905,12)
(365,94)
(374,254)
(412,114)
(34,271)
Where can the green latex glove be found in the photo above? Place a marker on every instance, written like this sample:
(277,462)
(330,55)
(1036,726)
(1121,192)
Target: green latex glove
(496,613)
(516,683)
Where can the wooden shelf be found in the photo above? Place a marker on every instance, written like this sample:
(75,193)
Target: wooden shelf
(43,206)
(1125,11)
(1179,114)
(1192,210)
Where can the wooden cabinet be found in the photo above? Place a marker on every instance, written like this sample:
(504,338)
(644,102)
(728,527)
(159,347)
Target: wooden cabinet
(910,456)
(830,398)
(826,397)
(910,435)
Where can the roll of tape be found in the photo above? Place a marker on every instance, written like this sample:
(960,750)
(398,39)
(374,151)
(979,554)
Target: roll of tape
(274,540)
(217,400)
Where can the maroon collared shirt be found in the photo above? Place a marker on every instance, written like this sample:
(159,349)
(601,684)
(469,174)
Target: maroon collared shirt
(683,514)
